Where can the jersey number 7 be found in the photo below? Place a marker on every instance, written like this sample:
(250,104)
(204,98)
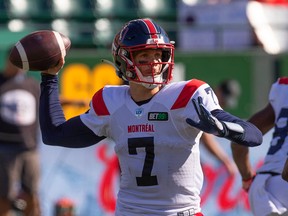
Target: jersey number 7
(148,143)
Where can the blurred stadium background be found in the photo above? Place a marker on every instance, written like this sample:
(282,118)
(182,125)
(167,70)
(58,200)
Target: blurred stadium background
(215,40)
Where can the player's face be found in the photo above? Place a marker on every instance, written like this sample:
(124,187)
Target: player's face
(148,61)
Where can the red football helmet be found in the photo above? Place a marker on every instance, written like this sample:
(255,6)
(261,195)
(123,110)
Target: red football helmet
(139,35)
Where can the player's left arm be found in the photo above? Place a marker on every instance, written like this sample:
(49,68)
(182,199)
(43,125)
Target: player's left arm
(249,135)
(223,124)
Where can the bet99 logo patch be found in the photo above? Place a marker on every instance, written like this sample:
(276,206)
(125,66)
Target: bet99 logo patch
(158,116)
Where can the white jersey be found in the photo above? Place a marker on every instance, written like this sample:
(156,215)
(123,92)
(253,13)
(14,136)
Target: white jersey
(158,151)
(278,151)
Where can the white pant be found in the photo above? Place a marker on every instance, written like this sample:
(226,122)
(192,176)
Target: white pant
(268,195)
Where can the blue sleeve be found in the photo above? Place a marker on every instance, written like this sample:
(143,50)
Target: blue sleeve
(54,127)
(253,138)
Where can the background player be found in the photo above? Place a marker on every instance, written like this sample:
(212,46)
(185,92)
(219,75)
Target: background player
(268,191)
(19,130)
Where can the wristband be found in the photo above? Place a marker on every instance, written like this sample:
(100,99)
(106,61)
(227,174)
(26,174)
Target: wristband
(246,183)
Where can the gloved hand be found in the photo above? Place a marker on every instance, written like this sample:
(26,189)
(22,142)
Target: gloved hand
(207,123)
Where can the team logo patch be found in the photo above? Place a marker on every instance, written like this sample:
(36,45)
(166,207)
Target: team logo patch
(158,116)
(139,112)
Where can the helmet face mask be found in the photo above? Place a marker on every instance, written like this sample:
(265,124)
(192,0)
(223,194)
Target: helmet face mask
(139,36)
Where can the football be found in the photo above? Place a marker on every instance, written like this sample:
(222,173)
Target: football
(39,50)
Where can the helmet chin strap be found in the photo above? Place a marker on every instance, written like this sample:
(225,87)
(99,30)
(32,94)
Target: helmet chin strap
(146,85)
(149,86)
(148,80)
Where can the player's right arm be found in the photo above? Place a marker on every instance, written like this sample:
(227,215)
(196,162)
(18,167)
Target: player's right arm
(54,127)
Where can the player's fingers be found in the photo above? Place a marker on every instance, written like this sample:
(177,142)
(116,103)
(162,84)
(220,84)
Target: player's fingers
(196,107)
(55,69)
(60,64)
(202,109)
(200,100)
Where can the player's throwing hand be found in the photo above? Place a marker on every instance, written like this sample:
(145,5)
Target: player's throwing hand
(54,70)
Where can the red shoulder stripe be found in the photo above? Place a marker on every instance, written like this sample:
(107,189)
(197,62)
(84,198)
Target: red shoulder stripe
(187,93)
(283,80)
(99,104)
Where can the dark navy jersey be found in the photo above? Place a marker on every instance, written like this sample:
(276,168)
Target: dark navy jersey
(19,102)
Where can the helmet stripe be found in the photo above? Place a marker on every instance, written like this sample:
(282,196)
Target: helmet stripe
(151,28)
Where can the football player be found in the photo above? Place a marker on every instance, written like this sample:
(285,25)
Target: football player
(155,125)
(267,190)
(19,130)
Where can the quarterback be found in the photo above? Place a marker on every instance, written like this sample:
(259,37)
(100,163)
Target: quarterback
(156,125)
